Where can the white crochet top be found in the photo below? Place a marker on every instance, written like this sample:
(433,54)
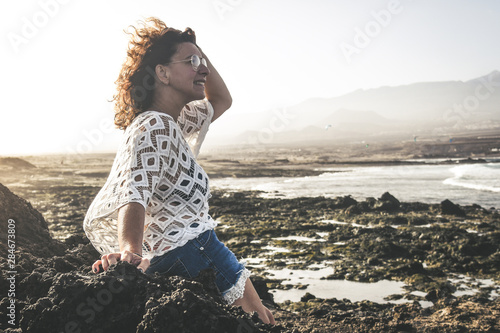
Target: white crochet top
(156,167)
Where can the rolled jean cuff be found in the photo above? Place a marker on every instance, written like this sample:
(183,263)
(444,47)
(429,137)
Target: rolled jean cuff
(236,292)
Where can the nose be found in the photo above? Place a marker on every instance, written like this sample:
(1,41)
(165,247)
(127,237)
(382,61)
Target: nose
(202,69)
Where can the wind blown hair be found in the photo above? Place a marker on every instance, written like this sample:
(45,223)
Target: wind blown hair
(150,44)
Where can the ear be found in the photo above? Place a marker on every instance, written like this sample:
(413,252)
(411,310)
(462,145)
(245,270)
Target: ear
(163,73)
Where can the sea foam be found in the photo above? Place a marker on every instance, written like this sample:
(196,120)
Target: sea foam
(482,177)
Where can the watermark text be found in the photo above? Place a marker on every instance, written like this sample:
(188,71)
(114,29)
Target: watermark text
(363,37)
(33,24)
(11,273)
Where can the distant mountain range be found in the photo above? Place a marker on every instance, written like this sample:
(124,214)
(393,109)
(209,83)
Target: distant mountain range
(428,108)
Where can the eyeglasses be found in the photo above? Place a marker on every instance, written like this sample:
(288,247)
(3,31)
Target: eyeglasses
(195,60)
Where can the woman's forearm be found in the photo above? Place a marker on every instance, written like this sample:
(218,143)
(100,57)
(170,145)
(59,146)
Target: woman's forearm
(131,227)
(216,91)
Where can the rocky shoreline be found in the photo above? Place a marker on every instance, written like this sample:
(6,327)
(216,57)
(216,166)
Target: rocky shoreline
(368,241)
(376,239)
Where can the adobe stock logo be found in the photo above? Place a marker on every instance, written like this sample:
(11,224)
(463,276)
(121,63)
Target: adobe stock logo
(223,7)
(31,26)
(371,30)
(279,122)
(93,138)
(461,112)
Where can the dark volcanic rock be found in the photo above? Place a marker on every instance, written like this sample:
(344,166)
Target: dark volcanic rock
(449,208)
(28,227)
(387,202)
(124,300)
(353,210)
(344,202)
(56,292)
(448,315)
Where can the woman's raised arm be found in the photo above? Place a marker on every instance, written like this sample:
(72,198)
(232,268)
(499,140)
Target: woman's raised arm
(216,91)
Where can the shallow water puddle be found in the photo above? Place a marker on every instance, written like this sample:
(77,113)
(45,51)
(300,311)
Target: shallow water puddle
(275,249)
(467,285)
(339,289)
(298,282)
(300,239)
(359,291)
(346,223)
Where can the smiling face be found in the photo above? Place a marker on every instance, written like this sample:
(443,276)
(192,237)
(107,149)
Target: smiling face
(183,79)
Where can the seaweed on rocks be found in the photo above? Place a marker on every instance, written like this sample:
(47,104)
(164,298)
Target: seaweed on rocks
(410,242)
(464,314)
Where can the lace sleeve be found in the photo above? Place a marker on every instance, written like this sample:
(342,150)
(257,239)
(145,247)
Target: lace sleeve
(134,177)
(138,166)
(148,149)
(194,121)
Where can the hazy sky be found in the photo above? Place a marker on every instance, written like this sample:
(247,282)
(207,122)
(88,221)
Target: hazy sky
(60,58)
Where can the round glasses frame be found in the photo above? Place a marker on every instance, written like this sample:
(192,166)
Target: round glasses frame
(195,60)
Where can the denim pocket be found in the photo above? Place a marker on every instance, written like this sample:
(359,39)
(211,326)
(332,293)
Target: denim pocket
(154,261)
(177,268)
(204,238)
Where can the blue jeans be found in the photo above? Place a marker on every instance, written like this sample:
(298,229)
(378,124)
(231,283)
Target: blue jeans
(202,252)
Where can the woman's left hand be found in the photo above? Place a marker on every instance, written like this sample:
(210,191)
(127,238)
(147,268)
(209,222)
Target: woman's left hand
(112,258)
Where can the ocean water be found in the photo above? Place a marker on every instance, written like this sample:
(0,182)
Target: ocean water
(464,184)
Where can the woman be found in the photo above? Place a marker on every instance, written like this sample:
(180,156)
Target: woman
(153,210)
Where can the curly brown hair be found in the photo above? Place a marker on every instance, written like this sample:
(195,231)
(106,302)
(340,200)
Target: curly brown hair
(150,44)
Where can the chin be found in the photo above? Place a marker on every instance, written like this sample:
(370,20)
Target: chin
(196,97)
(200,96)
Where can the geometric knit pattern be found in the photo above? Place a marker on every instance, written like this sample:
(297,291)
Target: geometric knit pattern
(155,166)
(194,121)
